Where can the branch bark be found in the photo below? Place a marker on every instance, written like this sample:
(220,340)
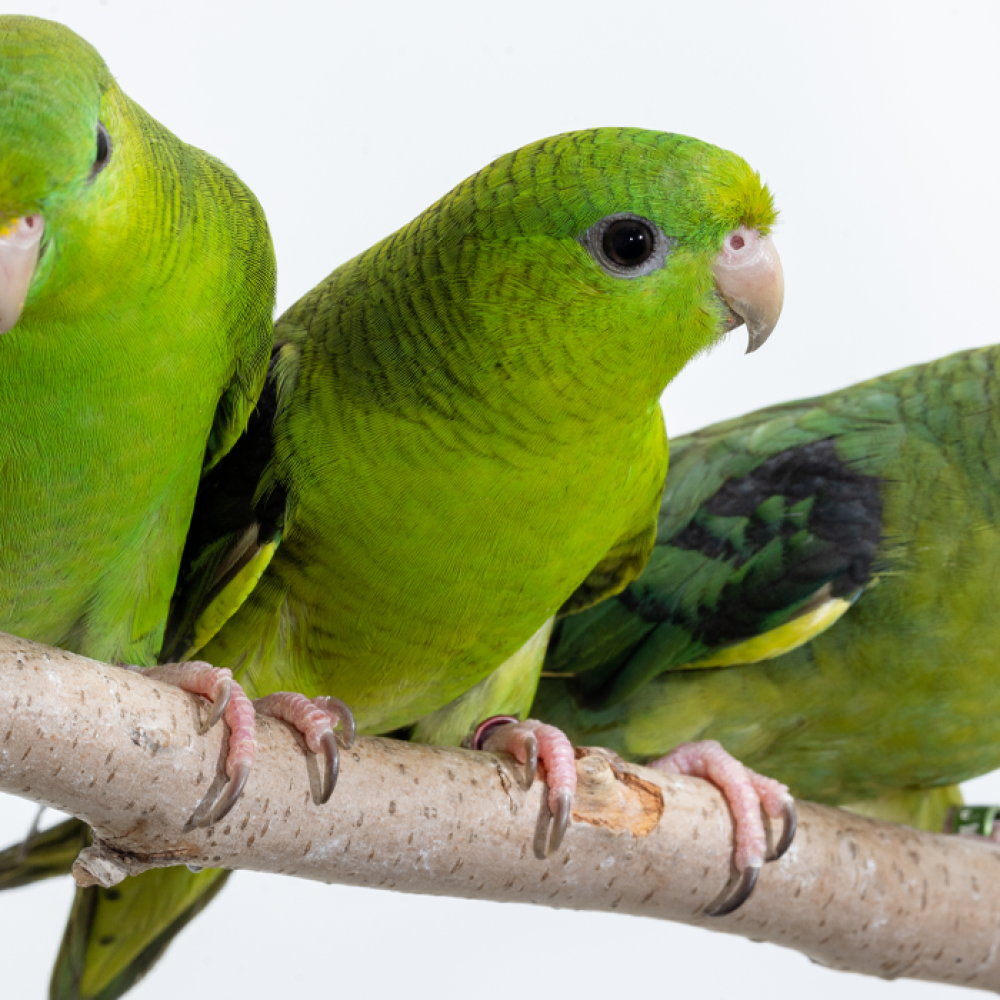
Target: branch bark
(123,753)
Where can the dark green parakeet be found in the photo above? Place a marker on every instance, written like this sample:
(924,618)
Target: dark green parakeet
(460,435)
(821,598)
(136,296)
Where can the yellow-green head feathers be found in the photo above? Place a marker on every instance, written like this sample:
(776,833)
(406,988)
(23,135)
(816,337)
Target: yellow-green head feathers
(118,193)
(52,84)
(507,274)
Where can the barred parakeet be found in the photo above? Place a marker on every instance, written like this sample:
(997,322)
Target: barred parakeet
(819,600)
(137,285)
(462,433)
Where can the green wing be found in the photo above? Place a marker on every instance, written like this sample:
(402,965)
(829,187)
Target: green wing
(234,534)
(890,489)
(248,325)
(765,534)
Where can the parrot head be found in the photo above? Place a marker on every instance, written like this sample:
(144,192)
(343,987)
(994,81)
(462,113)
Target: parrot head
(59,108)
(607,257)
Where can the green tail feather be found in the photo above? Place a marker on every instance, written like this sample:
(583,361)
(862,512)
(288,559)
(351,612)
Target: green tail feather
(46,855)
(114,936)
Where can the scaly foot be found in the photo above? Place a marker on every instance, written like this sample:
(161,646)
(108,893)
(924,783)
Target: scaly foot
(747,793)
(530,742)
(229,702)
(315,719)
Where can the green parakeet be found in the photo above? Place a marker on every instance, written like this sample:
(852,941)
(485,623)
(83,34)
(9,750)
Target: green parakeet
(821,599)
(136,290)
(460,435)
(136,297)
(465,434)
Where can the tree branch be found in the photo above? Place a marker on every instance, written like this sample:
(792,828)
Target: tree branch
(122,752)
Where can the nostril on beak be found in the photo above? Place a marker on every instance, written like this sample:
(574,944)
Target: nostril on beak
(749,277)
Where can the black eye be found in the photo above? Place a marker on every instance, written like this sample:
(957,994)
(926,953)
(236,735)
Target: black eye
(626,245)
(628,242)
(103,150)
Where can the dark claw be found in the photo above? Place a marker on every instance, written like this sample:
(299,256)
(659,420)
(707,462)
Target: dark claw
(230,796)
(790,819)
(531,759)
(744,888)
(332,757)
(219,704)
(560,821)
(348,728)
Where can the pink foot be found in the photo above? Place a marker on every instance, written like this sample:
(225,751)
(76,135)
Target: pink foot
(229,703)
(315,720)
(528,742)
(747,793)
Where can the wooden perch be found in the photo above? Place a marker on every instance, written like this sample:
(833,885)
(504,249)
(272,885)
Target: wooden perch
(123,752)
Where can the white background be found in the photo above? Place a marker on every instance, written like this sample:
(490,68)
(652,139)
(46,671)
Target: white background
(876,126)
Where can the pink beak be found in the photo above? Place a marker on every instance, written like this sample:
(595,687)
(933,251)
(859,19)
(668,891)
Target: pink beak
(749,277)
(19,245)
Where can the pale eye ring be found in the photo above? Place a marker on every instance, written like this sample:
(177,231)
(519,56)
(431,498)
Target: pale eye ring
(626,245)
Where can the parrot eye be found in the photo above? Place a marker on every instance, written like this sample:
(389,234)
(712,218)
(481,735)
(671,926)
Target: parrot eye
(628,242)
(626,246)
(103,150)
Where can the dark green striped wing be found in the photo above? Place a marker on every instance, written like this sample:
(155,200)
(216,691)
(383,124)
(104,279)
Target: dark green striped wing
(762,527)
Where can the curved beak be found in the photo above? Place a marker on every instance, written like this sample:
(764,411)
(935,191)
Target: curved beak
(749,278)
(19,246)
